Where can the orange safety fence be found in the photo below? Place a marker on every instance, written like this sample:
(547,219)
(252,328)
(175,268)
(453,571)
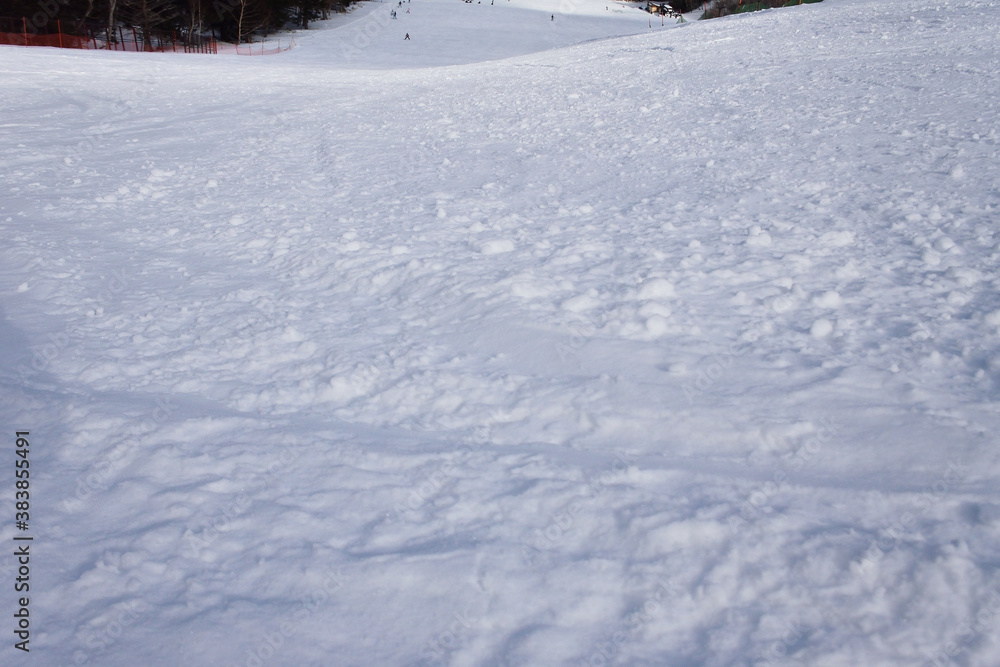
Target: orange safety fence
(154,46)
(63,41)
(130,40)
(58,40)
(127,43)
(254,49)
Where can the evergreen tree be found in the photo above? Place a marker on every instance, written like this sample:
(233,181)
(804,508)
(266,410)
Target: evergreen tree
(233,20)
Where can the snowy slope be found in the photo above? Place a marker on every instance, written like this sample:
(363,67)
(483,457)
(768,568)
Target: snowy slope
(450,32)
(671,349)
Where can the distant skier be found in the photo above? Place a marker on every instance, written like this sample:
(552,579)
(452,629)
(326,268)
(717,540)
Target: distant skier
(553,18)
(407,37)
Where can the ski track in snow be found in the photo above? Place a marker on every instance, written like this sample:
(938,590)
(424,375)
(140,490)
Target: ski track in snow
(671,349)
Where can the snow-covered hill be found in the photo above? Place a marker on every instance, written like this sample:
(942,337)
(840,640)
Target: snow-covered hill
(671,349)
(451,32)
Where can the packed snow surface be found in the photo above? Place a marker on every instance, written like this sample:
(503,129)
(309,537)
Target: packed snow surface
(510,345)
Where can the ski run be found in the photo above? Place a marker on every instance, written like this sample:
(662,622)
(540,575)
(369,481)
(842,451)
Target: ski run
(550,336)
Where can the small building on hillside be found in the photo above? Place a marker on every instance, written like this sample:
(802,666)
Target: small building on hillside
(661,7)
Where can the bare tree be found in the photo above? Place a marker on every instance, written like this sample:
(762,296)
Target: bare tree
(112,5)
(194,18)
(151,16)
(250,15)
